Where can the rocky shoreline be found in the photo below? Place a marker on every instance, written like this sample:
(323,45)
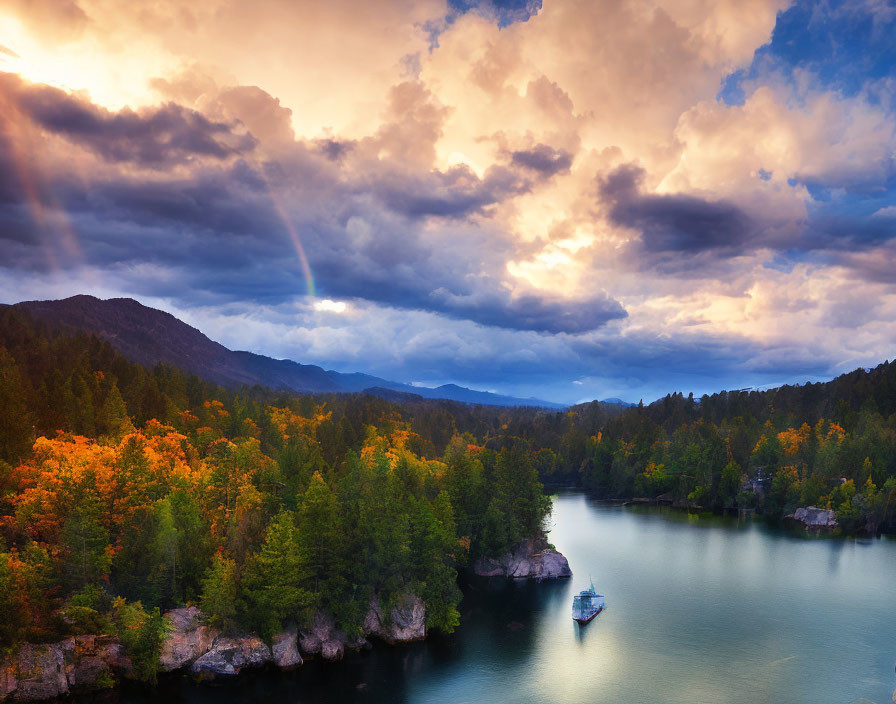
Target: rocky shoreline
(84,664)
(533,558)
(88,663)
(814,519)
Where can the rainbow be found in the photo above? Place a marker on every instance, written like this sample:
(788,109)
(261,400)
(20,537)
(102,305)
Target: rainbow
(49,217)
(296,241)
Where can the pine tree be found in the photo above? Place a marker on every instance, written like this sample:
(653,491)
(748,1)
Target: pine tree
(219,592)
(275,581)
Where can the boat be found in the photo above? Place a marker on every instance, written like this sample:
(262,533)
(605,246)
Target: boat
(586,605)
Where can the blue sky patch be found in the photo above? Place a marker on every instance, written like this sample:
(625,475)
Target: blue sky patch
(844,45)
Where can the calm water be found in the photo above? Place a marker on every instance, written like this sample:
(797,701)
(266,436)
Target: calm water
(700,609)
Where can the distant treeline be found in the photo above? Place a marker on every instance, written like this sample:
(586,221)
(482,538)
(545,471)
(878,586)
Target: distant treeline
(831,445)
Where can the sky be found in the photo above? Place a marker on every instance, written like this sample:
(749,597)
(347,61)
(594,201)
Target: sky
(568,200)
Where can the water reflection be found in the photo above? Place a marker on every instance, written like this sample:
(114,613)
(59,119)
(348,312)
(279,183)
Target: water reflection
(701,608)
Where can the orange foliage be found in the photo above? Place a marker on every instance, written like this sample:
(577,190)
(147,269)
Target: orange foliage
(48,484)
(291,424)
(122,478)
(836,432)
(793,439)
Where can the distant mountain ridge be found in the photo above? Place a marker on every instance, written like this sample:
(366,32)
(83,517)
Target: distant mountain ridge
(148,336)
(618,402)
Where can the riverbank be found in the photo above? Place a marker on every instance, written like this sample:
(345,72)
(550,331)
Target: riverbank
(86,664)
(810,519)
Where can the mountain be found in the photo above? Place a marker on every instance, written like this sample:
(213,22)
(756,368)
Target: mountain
(487,398)
(618,402)
(149,336)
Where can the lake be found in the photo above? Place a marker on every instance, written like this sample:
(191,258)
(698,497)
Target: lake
(699,609)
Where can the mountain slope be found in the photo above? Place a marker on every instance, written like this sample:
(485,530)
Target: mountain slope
(149,336)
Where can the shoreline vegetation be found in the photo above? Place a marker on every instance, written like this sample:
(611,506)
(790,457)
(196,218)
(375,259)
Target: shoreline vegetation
(127,493)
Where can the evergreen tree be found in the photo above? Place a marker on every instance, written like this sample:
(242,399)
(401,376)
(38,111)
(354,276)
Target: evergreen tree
(219,593)
(86,541)
(275,581)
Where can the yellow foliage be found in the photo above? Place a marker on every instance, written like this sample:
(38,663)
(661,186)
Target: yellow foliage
(291,424)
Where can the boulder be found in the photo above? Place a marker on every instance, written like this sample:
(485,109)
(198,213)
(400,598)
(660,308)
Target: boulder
(113,653)
(405,623)
(86,661)
(85,671)
(529,559)
(51,670)
(284,650)
(322,637)
(815,518)
(228,656)
(315,633)
(188,640)
(41,671)
(332,649)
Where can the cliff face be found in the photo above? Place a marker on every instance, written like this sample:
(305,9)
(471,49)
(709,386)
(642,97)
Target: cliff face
(188,639)
(530,559)
(50,670)
(89,663)
(406,621)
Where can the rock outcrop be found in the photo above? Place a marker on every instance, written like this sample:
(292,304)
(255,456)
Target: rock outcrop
(88,663)
(815,518)
(50,670)
(321,637)
(188,640)
(285,651)
(405,623)
(229,655)
(530,559)
(209,654)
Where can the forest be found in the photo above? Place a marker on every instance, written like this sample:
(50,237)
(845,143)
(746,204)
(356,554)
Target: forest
(125,491)
(831,445)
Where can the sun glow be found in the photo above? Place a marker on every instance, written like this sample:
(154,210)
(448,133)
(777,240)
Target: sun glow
(326,305)
(82,66)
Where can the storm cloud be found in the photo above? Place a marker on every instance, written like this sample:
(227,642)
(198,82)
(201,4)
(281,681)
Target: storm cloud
(552,199)
(159,137)
(222,228)
(674,223)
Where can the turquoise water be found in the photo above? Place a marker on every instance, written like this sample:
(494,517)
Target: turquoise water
(699,609)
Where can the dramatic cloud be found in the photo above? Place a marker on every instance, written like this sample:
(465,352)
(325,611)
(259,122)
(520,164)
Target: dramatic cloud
(559,198)
(543,159)
(673,223)
(158,137)
(222,226)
